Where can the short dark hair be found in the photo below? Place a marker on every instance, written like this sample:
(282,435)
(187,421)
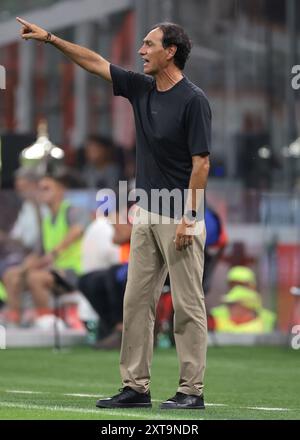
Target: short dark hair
(174,34)
(65,176)
(102,140)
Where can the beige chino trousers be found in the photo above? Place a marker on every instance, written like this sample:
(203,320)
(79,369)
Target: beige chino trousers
(152,256)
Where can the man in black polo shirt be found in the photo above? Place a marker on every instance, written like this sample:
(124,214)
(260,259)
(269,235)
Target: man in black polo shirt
(173,126)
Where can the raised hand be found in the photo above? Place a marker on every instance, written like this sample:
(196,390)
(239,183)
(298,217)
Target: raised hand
(85,58)
(32,31)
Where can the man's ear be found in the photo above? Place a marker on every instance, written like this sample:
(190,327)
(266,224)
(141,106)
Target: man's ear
(171,51)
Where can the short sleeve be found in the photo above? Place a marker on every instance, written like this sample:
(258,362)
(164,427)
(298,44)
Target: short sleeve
(127,83)
(198,125)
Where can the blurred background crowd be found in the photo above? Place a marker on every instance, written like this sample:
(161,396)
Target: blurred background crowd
(63,137)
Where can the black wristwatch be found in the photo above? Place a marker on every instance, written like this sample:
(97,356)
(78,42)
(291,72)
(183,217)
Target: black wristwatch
(48,38)
(190,217)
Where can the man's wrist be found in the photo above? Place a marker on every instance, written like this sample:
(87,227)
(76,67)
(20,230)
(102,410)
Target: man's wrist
(189,217)
(49,38)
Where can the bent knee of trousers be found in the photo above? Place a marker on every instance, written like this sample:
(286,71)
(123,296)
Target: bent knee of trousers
(190,316)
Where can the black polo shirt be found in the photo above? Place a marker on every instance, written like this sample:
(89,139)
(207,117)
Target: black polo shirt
(171,127)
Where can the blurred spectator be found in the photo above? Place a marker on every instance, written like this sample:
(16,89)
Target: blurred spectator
(241,276)
(105,288)
(2,295)
(27,228)
(256,157)
(216,241)
(237,255)
(25,234)
(101,169)
(241,311)
(12,253)
(98,250)
(62,229)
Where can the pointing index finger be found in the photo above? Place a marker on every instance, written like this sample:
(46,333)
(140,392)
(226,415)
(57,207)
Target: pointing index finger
(22,21)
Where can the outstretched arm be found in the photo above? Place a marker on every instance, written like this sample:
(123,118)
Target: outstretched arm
(85,58)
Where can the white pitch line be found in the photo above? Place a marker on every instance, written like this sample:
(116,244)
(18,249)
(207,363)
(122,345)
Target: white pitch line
(262,408)
(103,411)
(47,407)
(91,395)
(206,404)
(48,392)
(257,408)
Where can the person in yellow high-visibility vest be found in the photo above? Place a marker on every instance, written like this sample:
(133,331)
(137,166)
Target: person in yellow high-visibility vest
(242,310)
(241,276)
(3,295)
(62,229)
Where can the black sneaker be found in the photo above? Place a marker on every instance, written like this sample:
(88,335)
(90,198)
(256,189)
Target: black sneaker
(184,401)
(127,398)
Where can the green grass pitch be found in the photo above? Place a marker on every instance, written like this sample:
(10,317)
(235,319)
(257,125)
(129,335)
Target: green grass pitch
(241,383)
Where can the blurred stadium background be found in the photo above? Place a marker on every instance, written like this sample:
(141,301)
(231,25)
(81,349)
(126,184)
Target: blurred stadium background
(243,54)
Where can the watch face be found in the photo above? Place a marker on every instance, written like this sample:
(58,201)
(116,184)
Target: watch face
(191,215)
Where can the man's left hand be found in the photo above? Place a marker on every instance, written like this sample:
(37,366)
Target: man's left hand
(184,236)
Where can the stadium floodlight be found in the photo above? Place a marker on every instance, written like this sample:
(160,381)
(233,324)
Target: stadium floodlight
(43,148)
(57,153)
(264,152)
(293,150)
